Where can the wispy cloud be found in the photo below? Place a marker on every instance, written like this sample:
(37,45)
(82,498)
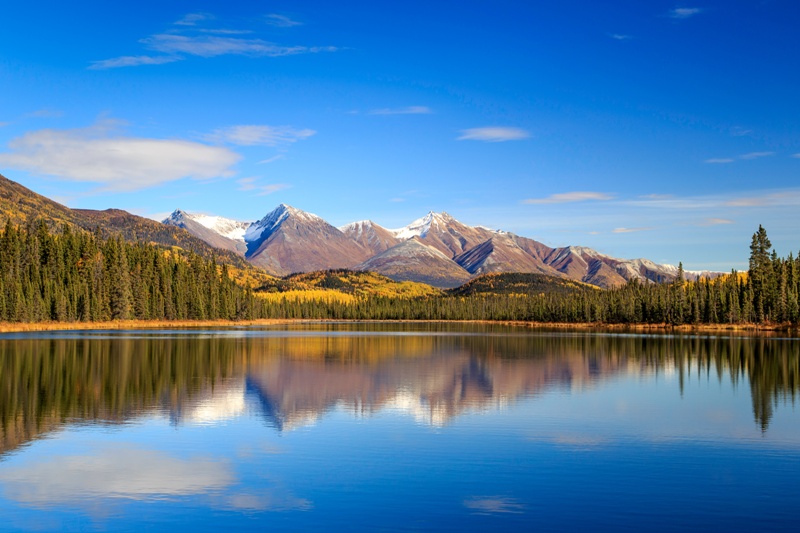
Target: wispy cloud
(738,131)
(250,185)
(620,36)
(684,12)
(775,198)
(714,222)
(567,197)
(132,61)
(493,134)
(3,124)
(225,31)
(212,46)
(177,44)
(410,110)
(99,154)
(271,159)
(756,155)
(747,157)
(281,21)
(631,230)
(796,156)
(259,135)
(755,201)
(46,113)
(193,18)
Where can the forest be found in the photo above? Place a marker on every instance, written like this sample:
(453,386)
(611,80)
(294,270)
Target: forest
(71,275)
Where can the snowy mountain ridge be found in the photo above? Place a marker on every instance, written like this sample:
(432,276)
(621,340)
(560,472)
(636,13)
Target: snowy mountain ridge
(288,240)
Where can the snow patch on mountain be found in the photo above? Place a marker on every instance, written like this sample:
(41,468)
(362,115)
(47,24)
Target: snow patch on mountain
(275,218)
(232,229)
(421,226)
(357,228)
(229,228)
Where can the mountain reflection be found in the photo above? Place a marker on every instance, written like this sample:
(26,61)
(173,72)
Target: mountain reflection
(292,380)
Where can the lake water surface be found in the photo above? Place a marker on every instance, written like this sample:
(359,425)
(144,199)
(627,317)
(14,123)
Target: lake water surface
(397,427)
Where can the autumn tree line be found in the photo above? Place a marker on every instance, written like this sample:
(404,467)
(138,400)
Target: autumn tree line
(77,276)
(71,275)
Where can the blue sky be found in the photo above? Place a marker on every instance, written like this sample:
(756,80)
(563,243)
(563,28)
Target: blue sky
(642,129)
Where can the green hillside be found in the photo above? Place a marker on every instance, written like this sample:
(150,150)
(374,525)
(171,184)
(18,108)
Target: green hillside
(516,283)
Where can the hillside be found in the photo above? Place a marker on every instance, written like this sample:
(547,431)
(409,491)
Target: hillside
(20,205)
(516,283)
(412,260)
(354,283)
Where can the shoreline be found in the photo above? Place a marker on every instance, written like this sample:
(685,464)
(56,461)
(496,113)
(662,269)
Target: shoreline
(14,327)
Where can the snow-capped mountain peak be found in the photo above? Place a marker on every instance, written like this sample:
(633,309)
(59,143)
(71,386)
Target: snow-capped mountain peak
(357,227)
(274,218)
(228,228)
(421,226)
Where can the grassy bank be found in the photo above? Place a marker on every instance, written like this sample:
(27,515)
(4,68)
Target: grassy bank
(13,327)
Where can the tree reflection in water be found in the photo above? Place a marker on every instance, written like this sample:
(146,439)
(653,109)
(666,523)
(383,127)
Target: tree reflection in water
(437,372)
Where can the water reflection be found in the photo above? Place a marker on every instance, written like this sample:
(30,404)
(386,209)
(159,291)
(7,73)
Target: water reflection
(293,380)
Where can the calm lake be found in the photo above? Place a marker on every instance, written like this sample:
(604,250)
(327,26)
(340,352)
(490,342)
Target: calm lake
(398,427)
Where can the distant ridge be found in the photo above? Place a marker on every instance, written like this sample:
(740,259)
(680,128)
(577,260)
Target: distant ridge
(289,240)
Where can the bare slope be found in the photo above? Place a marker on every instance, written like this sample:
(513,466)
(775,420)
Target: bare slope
(290,240)
(412,260)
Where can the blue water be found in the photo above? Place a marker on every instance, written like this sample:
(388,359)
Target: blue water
(396,428)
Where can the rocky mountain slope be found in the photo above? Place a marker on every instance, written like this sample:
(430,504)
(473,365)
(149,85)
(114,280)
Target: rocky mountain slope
(290,240)
(414,260)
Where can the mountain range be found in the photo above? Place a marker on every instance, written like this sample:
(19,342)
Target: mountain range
(436,249)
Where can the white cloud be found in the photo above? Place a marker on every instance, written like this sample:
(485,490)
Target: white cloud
(746,157)
(630,230)
(132,61)
(224,31)
(775,198)
(493,134)
(96,154)
(756,155)
(271,159)
(684,12)
(193,18)
(3,124)
(576,196)
(748,202)
(211,46)
(142,474)
(46,113)
(281,21)
(410,110)
(715,222)
(208,42)
(620,36)
(796,156)
(259,135)
(249,185)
